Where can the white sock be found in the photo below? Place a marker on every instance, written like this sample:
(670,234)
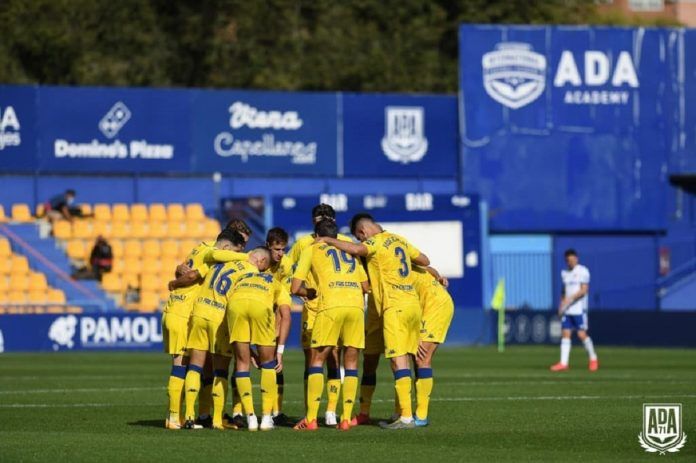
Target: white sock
(589,347)
(406,419)
(565,350)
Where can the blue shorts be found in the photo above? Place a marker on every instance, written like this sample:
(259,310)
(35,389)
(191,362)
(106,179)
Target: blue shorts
(574,322)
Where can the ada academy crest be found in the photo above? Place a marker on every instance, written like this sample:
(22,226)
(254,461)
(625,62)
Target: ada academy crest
(662,428)
(404,138)
(513,74)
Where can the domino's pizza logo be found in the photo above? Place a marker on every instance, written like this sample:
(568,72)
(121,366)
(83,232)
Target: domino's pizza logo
(114,120)
(62,331)
(513,74)
(404,136)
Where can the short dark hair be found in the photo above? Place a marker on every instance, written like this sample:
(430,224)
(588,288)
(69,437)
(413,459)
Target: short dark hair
(326,227)
(323,210)
(263,249)
(276,235)
(232,236)
(70,192)
(570,252)
(357,218)
(239,225)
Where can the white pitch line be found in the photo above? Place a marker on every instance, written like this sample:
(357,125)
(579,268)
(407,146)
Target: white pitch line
(435,399)
(94,389)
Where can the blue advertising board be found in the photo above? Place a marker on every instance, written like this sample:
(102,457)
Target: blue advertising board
(276,133)
(399,136)
(447,228)
(17,129)
(113,130)
(569,127)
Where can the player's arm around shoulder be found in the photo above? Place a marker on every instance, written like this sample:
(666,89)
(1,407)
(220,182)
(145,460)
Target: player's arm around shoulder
(302,269)
(355,249)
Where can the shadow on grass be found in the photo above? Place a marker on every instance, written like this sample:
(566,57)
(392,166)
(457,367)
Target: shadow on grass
(148,423)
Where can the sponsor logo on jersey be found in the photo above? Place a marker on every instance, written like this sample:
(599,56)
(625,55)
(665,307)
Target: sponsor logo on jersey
(404,138)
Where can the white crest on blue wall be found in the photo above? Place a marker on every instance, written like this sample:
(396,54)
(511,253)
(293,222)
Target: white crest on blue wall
(513,74)
(404,135)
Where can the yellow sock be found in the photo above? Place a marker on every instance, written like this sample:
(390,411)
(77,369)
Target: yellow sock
(350,389)
(306,375)
(205,401)
(243,381)
(278,405)
(315,388)
(367,390)
(219,396)
(269,388)
(403,390)
(397,405)
(236,400)
(424,387)
(333,389)
(174,389)
(192,386)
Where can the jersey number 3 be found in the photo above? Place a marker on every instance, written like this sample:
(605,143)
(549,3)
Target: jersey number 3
(401,254)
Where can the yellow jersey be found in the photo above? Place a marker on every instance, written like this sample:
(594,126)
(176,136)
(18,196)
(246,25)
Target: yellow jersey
(430,292)
(196,260)
(296,251)
(338,276)
(212,298)
(260,287)
(282,271)
(389,266)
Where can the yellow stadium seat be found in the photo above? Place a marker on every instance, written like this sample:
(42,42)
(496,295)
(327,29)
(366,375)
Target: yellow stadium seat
(133,248)
(175,212)
(76,249)
(120,212)
(195,212)
(40,210)
(62,229)
(116,248)
(55,295)
(86,209)
(3,217)
(158,230)
(139,230)
(120,230)
(158,213)
(170,248)
(175,229)
(5,249)
(149,301)
(151,248)
(111,283)
(151,265)
(73,309)
(21,213)
(37,296)
(37,282)
(81,229)
(212,229)
(133,266)
(102,212)
(118,266)
(17,297)
(186,246)
(4,285)
(19,264)
(164,293)
(139,213)
(150,283)
(168,267)
(19,282)
(101,229)
(194,229)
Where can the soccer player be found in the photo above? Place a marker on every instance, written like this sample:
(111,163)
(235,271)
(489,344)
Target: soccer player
(333,385)
(177,313)
(573,310)
(209,333)
(389,258)
(438,310)
(281,269)
(341,282)
(250,320)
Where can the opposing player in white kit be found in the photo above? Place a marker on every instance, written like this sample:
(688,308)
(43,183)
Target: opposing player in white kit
(573,310)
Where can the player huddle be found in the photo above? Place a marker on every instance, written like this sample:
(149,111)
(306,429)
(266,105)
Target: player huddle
(224,301)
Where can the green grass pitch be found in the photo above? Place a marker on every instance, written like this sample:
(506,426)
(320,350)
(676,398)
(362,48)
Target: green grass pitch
(486,407)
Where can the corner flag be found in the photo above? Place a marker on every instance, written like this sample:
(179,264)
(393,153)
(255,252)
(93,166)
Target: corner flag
(498,303)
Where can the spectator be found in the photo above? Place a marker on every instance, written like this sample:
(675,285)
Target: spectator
(101,258)
(59,207)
